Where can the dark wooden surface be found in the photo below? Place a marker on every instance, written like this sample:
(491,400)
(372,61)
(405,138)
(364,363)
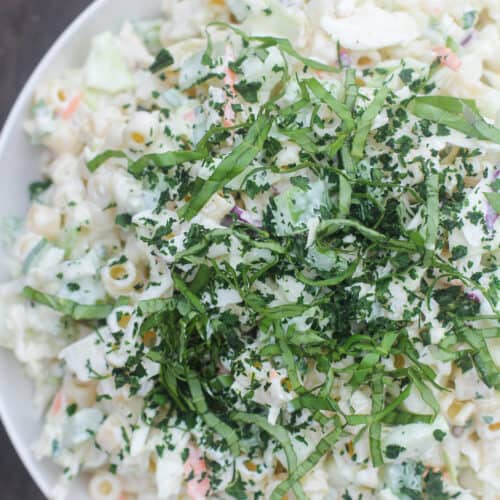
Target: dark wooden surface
(27,29)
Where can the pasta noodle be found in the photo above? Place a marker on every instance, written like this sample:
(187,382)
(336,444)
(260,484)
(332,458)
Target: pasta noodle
(104,487)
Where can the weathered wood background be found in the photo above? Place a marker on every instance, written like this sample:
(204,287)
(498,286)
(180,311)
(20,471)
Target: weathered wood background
(27,29)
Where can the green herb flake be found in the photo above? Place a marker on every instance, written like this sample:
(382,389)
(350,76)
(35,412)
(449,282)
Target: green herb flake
(123,220)
(458,252)
(406,75)
(36,189)
(301,182)
(237,489)
(393,451)
(248,90)
(439,435)
(71,409)
(163,60)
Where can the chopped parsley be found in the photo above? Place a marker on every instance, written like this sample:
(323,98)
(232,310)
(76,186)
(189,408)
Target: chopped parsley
(36,189)
(393,451)
(123,220)
(248,90)
(163,60)
(439,435)
(71,409)
(301,182)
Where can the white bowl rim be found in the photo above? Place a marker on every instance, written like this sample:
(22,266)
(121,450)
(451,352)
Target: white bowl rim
(11,122)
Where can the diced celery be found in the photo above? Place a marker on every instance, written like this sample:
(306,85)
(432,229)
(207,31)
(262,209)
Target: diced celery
(149,32)
(106,68)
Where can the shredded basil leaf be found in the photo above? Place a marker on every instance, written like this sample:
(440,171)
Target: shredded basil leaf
(78,312)
(231,166)
(100,159)
(458,114)
(165,160)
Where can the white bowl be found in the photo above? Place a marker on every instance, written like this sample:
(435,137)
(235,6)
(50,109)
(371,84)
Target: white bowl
(19,165)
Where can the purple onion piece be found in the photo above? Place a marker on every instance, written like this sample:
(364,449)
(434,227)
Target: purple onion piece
(246,216)
(345,58)
(467,38)
(474,296)
(491,218)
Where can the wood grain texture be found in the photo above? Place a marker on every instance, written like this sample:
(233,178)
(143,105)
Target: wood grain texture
(27,29)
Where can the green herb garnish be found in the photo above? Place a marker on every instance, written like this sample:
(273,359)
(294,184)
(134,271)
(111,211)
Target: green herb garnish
(163,60)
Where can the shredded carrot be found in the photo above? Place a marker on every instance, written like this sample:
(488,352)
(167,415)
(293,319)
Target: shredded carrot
(229,81)
(320,74)
(442,51)
(57,403)
(448,58)
(195,468)
(453,62)
(190,116)
(70,109)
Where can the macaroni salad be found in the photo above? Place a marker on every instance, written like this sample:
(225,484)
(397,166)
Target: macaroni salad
(263,258)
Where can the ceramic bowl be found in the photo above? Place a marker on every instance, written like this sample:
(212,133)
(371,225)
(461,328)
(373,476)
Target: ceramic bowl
(20,165)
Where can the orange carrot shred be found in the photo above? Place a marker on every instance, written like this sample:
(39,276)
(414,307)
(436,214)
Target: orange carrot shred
(71,108)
